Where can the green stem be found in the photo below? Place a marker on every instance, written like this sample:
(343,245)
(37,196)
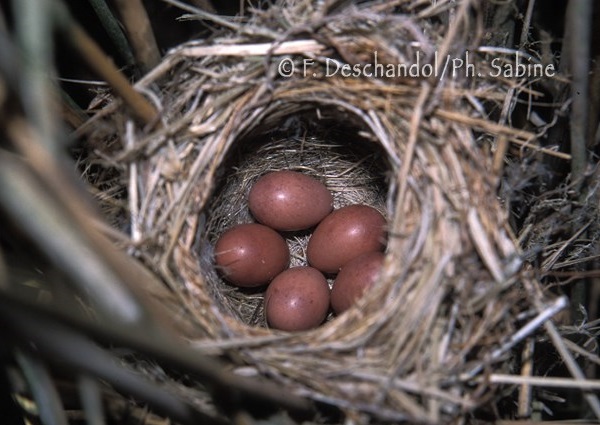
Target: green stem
(112,28)
(34,32)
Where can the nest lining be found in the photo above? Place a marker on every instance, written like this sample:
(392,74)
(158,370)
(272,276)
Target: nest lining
(449,296)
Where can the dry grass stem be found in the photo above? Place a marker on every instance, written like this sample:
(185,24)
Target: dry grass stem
(545,382)
(525,391)
(261,49)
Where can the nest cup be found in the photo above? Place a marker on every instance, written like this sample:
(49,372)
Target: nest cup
(447,299)
(352,169)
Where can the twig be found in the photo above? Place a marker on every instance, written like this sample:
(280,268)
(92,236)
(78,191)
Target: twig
(501,149)
(105,68)
(139,30)
(582,351)
(579,20)
(544,381)
(136,233)
(112,28)
(579,16)
(526,24)
(572,366)
(526,372)
(203,14)
(260,49)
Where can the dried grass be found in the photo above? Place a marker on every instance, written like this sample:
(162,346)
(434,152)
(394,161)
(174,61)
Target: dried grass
(454,301)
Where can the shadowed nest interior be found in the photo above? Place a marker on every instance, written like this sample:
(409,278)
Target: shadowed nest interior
(452,300)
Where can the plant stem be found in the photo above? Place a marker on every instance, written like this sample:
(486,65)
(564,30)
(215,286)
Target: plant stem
(139,31)
(34,30)
(579,15)
(113,30)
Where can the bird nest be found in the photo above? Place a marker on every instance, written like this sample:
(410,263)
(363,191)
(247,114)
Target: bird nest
(453,299)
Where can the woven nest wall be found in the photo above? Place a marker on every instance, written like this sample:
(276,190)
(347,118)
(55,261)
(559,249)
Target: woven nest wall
(452,296)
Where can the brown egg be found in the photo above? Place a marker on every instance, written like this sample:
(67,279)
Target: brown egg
(251,254)
(354,279)
(288,200)
(297,299)
(345,234)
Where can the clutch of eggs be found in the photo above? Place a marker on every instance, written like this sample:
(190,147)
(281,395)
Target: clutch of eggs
(349,240)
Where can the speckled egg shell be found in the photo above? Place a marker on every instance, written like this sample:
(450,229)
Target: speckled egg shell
(354,279)
(288,200)
(250,255)
(297,299)
(345,234)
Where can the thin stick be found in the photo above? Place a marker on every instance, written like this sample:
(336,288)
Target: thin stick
(259,49)
(544,381)
(526,24)
(139,31)
(501,140)
(582,351)
(579,14)
(572,366)
(501,149)
(526,372)
(136,232)
(203,14)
